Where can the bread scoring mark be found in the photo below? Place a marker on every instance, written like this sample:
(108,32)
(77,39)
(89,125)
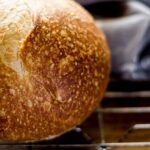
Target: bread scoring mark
(16,23)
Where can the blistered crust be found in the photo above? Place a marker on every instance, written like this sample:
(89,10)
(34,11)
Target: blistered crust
(66,67)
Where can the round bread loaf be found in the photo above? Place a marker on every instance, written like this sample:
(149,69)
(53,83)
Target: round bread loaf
(54,68)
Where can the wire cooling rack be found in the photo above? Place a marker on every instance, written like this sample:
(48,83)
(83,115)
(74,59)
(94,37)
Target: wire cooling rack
(121,122)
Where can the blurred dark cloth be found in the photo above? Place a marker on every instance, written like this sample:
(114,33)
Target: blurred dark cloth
(89,2)
(147,2)
(127,28)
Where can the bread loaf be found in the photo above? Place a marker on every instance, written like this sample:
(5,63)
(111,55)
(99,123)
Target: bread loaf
(54,68)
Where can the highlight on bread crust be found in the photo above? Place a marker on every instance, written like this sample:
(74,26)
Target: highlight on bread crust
(54,68)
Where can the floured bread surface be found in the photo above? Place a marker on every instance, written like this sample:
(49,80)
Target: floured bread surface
(54,68)
(15,24)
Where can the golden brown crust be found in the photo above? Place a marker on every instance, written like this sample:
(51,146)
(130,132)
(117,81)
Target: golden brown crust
(66,67)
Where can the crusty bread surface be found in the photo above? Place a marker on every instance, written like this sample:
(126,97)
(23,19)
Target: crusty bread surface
(54,68)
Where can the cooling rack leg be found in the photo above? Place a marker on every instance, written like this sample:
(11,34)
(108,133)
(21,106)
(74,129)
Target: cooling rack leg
(101,126)
(29,147)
